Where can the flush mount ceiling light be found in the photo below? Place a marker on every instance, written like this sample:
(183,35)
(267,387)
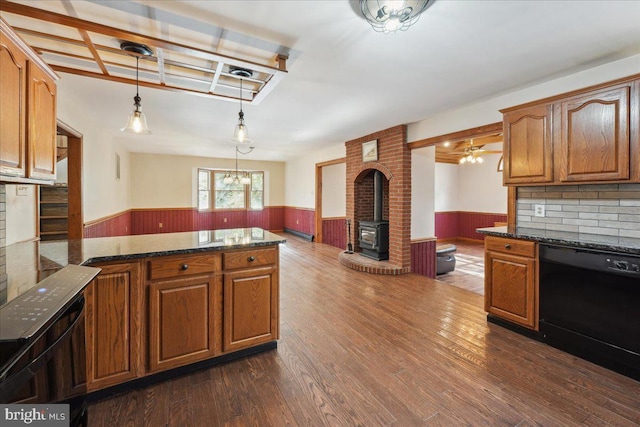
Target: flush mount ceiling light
(240,133)
(389,16)
(137,122)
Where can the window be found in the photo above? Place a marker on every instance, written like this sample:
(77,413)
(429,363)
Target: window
(213,193)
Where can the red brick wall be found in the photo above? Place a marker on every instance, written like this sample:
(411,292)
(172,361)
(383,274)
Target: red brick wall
(394,161)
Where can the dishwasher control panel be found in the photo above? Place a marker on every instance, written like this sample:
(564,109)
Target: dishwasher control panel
(628,265)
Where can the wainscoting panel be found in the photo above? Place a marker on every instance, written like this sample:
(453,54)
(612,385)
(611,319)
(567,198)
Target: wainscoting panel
(469,221)
(149,221)
(451,225)
(334,232)
(423,258)
(117,225)
(300,219)
(447,224)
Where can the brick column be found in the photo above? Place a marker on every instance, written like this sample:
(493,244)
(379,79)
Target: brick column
(394,161)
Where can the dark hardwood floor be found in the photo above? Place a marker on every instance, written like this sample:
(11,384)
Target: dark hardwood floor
(366,350)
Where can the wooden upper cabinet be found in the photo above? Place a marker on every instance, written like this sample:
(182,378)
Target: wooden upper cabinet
(527,146)
(594,136)
(590,135)
(13,77)
(41,132)
(27,112)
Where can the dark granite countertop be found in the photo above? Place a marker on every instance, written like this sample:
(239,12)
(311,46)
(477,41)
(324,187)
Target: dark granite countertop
(628,245)
(27,263)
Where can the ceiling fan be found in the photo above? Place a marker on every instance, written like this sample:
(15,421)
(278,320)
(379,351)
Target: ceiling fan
(473,153)
(467,150)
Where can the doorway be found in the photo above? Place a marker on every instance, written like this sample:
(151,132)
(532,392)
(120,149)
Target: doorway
(73,151)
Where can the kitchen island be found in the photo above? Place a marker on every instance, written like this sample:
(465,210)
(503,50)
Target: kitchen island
(163,303)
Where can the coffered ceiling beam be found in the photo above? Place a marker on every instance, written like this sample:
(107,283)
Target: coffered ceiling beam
(93,27)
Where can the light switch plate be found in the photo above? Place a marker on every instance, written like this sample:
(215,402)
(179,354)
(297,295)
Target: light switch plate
(538,210)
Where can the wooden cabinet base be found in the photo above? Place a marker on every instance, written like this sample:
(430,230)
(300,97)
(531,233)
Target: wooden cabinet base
(165,313)
(511,291)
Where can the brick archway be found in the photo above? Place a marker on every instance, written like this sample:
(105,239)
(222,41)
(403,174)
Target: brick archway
(394,161)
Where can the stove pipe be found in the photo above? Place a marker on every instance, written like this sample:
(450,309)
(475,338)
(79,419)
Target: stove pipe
(377,196)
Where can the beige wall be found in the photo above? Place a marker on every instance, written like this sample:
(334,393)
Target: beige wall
(21,213)
(166,181)
(334,190)
(102,193)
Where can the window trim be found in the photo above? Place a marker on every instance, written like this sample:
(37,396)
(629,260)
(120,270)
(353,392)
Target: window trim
(247,188)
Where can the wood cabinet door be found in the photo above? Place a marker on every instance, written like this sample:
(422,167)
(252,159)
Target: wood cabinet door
(510,291)
(41,124)
(528,155)
(250,308)
(113,325)
(13,75)
(182,326)
(594,136)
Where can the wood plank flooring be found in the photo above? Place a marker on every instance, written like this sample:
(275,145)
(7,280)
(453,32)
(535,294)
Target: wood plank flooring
(364,350)
(469,271)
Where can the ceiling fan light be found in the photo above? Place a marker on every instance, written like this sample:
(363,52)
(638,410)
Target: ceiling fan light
(480,160)
(463,160)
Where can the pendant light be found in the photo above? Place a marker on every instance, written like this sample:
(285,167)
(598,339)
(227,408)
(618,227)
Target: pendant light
(137,122)
(245,179)
(241,133)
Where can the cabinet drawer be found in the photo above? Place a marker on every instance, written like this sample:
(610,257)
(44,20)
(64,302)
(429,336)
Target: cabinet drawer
(249,258)
(510,246)
(183,265)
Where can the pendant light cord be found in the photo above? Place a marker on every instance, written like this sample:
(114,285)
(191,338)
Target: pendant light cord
(137,78)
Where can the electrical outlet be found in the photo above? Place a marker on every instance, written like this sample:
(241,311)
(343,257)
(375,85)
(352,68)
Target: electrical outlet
(225,220)
(538,210)
(297,221)
(159,225)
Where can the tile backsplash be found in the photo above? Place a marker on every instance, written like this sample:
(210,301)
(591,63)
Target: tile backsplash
(602,209)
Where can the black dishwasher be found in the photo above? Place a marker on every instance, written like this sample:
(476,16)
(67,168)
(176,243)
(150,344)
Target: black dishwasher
(36,324)
(590,305)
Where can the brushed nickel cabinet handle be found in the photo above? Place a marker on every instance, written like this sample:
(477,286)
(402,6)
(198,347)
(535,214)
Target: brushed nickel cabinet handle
(507,246)
(251,259)
(184,267)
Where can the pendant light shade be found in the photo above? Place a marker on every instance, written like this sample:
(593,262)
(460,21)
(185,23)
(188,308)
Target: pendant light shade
(241,133)
(137,122)
(389,16)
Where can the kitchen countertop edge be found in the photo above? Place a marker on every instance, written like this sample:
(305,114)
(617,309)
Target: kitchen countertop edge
(627,245)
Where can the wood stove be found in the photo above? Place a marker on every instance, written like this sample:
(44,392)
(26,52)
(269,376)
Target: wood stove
(374,239)
(374,235)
